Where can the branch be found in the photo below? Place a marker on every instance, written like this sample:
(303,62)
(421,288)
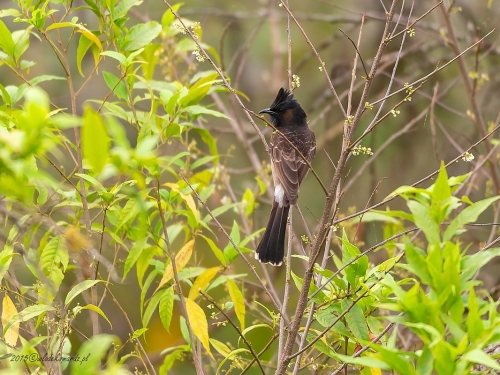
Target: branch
(250,266)
(196,358)
(255,356)
(322,64)
(293,146)
(325,219)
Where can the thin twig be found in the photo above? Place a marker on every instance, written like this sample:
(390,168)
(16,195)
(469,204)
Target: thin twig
(260,353)
(196,356)
(357,257)
(322,64)
(365,348)
(478,117)
(286,294)
(217,69)
(424,78)
(357,50)
(212,301)
(390,198)
(292,145)
(236,247)
(415,22)
(325,331)
(329,204)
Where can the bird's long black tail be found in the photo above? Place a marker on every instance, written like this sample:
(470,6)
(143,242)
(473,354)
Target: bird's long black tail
(272,246)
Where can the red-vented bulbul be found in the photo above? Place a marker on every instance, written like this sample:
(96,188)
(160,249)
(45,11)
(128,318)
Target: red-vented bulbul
(289,169)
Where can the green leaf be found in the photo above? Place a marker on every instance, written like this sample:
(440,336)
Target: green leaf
(417,261)
(152,304)
(5,259)
(220,347)
(26,314)
(6,41)
(398,361)
(238,300)
(50,255)
(117,85)
(357,268)
(363,361)
(115,55)
(140,35)
(95,140)
(219,211)
(356,321)
(474,322)
(91,353)
(79,288)
(123,7)
(92,181)
(210,142)
(97,310)
(425,361)
(166,307)
(199,110)
(138,333)
(425,221)
(248,200)
(231,355)
(22,42)
(441,191)
(478,356)
(472,263)
(468,215)
(142,263)
(133,255)
(168,17)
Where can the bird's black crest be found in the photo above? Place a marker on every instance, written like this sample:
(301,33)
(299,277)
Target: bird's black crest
(282,97)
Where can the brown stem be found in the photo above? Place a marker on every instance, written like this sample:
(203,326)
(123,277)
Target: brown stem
(327,212)
(250,266)
(255,356)
(196,356)
(478,117)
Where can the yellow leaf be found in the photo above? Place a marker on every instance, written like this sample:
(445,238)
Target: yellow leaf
(239,302)
(202,281)
(188,198)
(181,260)
(8,311)
(376,371)
(76,241)
(198,322)
(90,36)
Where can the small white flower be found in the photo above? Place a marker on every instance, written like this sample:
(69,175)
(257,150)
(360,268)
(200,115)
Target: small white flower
(199,56)
(467,156)
(180,28)
(362,150)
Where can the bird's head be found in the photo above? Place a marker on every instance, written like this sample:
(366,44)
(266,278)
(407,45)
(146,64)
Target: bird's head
(285,110)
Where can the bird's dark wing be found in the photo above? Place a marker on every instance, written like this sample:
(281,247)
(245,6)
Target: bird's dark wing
(289,168)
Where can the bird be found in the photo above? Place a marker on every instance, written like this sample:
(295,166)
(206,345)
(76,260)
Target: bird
(288,169)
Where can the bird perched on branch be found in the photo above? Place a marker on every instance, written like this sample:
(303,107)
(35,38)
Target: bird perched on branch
(291,145)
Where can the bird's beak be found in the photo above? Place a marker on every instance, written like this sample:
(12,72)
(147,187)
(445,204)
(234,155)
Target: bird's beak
(266,110)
